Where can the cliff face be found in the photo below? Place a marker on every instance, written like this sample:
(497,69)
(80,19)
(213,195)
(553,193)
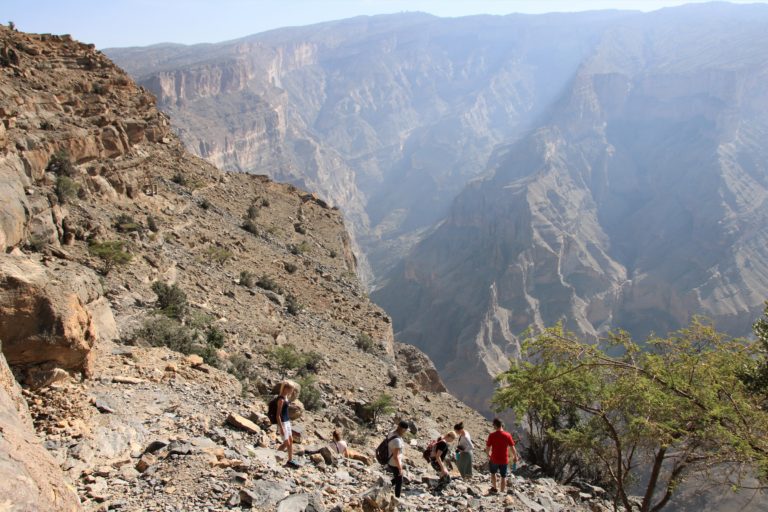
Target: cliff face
(388,117)
(638,202)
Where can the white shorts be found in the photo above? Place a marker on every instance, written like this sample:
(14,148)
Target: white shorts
(287,432)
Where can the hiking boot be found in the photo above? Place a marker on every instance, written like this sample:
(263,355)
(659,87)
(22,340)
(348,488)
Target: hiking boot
(292,464)
(493,490)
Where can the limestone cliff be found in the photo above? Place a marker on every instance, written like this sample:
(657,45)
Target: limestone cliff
(388,117)
(639,201)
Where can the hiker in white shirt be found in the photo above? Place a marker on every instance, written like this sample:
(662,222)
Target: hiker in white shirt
(464,449)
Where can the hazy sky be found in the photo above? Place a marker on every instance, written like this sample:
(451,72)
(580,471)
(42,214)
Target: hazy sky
(142,22)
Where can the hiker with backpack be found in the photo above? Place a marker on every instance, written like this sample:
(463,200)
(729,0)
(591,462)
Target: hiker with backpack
(464,449)
(435,454)
(278,413)
(498,447)
(390,452)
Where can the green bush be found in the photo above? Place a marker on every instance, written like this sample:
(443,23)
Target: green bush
(247,279)
(241,367)
(268,283)
(380,406)
(288,358)
(215,337)
(180,179)
(112,253)
(161,331)
(152,224)
(250,226)
(66,189)
(126,224)
(299,249)
(310,395)
(364,342)
(218,255)
(253,211)
(171,300)
(292,304)
(60,164)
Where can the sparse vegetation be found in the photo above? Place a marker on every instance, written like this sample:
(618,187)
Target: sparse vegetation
(265,202)
(171,300)
(247,279)
(205,204)
(112,253)
(125,223)
(310,394)
(215,337)
(66,189)
(287,358)
(300,228)
(162,331)
(60,164)
(242,368)
(364,342)
(180,179)
(250,226)
(292,305)
(382,405)
(218,255)
(268,283)
(253,211)
(290,267)
(299,249)
(333,253)
(152,224)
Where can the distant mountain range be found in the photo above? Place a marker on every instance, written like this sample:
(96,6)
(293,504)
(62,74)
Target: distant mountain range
(604,169)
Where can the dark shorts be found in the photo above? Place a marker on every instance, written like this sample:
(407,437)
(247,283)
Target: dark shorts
(501,469)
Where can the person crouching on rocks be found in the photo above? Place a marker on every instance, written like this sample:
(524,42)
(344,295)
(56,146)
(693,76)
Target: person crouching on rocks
(440,450)
(395,464)
(464,449)
(284,423)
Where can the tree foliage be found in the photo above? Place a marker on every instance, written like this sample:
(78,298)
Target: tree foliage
(755,376)
(112,253)
(674,407)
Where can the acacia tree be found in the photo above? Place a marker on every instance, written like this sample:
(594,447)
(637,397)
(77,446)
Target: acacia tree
(676,406)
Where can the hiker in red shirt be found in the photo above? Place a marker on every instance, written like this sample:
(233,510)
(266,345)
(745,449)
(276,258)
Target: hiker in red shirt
(498,447)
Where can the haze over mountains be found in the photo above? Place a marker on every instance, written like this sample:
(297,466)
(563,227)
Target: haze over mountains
(606,169)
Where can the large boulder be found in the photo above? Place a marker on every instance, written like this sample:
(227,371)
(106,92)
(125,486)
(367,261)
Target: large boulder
(46,314)
(29,477)
(419,367)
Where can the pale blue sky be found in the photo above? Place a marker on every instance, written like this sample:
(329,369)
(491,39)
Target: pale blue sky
(142,22)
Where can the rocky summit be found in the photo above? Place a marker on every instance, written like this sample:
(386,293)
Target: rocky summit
(150,304)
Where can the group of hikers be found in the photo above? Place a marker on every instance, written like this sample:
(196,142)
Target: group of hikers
(499,446)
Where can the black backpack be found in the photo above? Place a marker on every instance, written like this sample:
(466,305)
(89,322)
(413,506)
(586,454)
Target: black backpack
(382,451)
(272,410)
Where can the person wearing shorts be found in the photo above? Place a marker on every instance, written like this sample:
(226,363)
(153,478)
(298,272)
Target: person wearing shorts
(498,447)
(284,422)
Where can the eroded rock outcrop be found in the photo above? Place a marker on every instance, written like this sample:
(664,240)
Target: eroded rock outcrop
(30,479)
(44,314)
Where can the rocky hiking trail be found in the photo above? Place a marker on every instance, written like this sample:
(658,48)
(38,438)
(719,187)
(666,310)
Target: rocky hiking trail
(158,431)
